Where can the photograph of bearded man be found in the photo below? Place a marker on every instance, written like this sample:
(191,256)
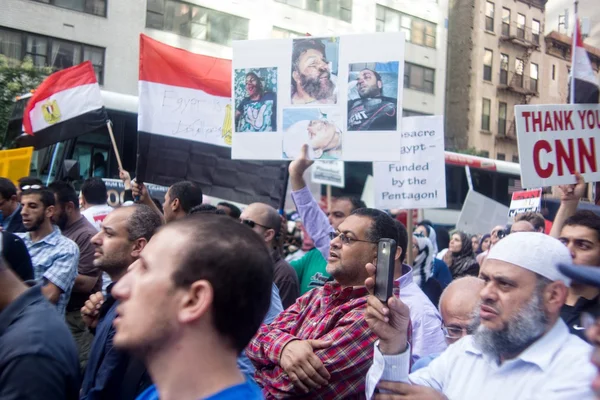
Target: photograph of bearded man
(314,71)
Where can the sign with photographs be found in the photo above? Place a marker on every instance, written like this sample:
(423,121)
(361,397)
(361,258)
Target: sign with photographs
(341,96)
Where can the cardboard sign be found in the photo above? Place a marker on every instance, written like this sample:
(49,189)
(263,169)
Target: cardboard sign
(342,96)
(480,214)
(556,142)
(419,179)
(116,191)
(525,201)
(16,163)
(328,173)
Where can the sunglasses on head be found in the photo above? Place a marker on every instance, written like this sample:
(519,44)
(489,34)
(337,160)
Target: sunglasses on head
(252,224)
(31,187)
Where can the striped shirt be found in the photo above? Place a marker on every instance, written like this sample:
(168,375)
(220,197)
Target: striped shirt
(55,259)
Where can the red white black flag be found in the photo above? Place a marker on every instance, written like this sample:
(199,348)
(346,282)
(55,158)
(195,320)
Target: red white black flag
(67,104)
(586,89)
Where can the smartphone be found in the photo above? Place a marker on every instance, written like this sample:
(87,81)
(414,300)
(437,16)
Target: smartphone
(384,273)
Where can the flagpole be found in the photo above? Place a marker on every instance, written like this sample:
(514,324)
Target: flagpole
(573,47)
(114,143)
(52,163)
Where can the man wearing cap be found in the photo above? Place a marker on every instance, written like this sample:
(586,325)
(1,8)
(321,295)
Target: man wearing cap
(521,350)
(311,74)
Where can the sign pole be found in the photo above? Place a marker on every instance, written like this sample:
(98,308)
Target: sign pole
(409,228)
(114,143)
(328,188)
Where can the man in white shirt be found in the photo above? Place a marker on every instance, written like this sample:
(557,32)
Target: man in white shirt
(521,350)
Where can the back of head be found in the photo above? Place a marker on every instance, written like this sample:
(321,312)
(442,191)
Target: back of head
(16,255)
(188,193)
(241,285)
(65,193)
(402,240)
(206,209)
(536,219)
(94,191)
(234,211)
(461,296)
(143,222)
(585,218)
(7,189)
(383,226)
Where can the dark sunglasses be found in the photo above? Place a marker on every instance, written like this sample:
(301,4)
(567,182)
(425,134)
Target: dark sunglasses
(252,224)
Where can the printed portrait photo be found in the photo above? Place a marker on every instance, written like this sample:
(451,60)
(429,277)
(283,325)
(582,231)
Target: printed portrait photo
(319,128)
(314,70)
(255,94)
(373,96)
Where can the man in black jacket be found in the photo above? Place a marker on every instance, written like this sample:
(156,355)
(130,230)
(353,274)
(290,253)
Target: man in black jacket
(10,207)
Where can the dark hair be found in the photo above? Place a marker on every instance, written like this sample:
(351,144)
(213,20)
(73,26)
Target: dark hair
(16,255)
(7,188)
(586,218)
(94,191)
(29,180)
(402,239)
(536,219)
(241,285)
(206,209)
(301,46)
(377,75)
(142,223)
(261,88)
(234,210)
(355,201)
(188,193)
(99,159)
(383,225)
(65,193)
(273,221)
(46,196)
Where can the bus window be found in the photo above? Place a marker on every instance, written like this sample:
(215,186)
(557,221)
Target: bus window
(456,186)
(92,152)
(483,182)
(46,162)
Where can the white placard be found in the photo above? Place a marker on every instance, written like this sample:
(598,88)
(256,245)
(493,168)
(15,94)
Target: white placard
(419,180)
(525,201)
(480,214)
(328,173)
(340,95)
(556,142)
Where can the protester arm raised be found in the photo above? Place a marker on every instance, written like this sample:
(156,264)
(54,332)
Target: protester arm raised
(569,200)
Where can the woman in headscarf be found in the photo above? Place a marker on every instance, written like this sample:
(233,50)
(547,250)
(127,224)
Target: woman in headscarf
(424,228)
(431,274)
(460,257)
(484,244)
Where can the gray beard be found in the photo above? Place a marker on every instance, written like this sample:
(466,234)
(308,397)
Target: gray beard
(524,329)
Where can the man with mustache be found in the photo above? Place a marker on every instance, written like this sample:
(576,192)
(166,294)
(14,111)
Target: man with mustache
(521,350)
(311,76)
(371,111)
(258,111)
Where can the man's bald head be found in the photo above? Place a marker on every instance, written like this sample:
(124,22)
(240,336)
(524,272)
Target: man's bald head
(265,218)
(459,302)
(522,226)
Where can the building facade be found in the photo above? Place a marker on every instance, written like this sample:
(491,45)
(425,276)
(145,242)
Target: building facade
(61,33)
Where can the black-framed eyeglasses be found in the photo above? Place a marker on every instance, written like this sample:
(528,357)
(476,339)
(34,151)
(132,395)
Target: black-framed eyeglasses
(345,239)
(252,224)
(31,187)
(456,332)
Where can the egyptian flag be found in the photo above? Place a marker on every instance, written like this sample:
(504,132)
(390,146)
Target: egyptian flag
(184,128)
(586,89)
(67,104)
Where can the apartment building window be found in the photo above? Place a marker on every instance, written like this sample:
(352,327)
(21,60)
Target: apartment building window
(535,31)
(419,78)
(280,33)
(340,9)
(95,7)
(503,69)
(488,57)
(505,22)
(489,16)
(49,51)
(196,22)
(501,157)
(533,77)
(520,26)
(515,159)
(519,67)
(484,153)
(485,114)
(416,30)
(502,108)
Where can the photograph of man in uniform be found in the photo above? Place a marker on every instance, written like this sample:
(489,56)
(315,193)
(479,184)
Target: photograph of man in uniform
(257,112)
(372,111)
(312,78)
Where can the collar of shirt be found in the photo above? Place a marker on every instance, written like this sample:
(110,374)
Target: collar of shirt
(52,239)
(406,278)
(540,353)
(333,291)
(10,313)
(7,220)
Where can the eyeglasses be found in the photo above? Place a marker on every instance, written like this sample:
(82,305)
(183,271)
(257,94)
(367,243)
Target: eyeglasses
(345,239)
(455,332)
(31,187)
(252,224)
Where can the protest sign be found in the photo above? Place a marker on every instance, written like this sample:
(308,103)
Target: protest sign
(116,191)
(340,95)
(16,163)
(556,142)
(418,180)
(481,214)
(328,173)
(525,201)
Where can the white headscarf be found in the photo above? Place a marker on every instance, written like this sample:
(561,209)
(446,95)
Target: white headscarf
(433,238)
(423,264)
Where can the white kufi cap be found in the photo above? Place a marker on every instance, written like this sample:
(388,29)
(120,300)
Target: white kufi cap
(534,251)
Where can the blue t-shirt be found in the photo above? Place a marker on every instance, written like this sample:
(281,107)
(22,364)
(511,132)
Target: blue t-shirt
(247,391)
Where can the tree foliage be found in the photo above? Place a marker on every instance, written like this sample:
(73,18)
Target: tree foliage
(17,78)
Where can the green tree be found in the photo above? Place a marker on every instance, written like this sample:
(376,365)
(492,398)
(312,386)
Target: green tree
(17,78)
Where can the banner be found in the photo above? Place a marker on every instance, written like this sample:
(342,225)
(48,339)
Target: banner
(116,191)
(525,201)
(557,141)
(419,179)
(328,173)
(480,214)
(342,96)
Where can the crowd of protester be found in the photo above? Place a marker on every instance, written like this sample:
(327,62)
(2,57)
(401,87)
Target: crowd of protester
(187,300)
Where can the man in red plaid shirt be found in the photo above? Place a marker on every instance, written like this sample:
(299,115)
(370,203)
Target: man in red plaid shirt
(321,347)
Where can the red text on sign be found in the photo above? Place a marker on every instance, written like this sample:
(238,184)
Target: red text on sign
(577,155)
